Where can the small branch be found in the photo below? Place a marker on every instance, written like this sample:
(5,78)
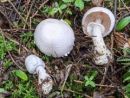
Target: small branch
(14,41)
(125,6)
(9,52)
(101,73)
(39,8)
(105,74)
(115,7)
(118,70)
(16,30)
(37,12)
(10,23)
(15,62)
(100,85)
(69,90)
(68,69)
(112,36)
(17,11)
(28,13)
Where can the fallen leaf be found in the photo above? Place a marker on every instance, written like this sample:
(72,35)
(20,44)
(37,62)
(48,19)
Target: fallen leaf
(120,39)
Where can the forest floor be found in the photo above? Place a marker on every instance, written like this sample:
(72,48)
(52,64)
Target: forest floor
(74,76)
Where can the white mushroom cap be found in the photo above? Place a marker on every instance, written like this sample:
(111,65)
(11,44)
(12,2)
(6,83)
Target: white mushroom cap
(32,62)
(105,15)
(54,37)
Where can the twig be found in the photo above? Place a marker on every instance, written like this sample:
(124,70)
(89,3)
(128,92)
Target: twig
(16,30)
(17,11)
(15,62)
(112,36)
(9,52)
(125,5)
(100,85)
(28,13)
(14,41)
(105,74)
(118,70)
(115,7)
(123,8)
(37,11)
(10,23)
(68,69)
(40,8)
(101,73)
(86,96)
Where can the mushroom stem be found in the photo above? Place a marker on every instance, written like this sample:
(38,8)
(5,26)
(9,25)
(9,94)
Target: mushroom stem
(41,74)
(102,54)
(44,80)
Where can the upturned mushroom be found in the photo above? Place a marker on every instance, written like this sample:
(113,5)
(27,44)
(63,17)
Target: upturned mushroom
(97,23)
(35,65)
(54,37)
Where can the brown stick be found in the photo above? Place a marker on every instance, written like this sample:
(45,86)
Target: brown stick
(17,11)
(39,8)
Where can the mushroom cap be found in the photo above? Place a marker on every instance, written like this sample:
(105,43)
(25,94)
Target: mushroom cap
(106,16)
(32,62)
(54,37)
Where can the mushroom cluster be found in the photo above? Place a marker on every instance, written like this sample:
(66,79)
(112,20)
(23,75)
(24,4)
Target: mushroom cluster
(97,23)
(55,38)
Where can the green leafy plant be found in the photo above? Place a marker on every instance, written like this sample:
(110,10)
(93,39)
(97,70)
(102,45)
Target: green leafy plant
(126,79)
(63,6)
(5,47)
(8,85)
(2,90)
(89,79)
(70,84)
(21,89)
(22,75)
(56,7)
(27,39)
(7,63)
(125,60)
(79,4)
(123,23)
(24,90)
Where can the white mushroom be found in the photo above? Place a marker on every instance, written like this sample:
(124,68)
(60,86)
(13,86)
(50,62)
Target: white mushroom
(35,65)
(54,37)
(98,22)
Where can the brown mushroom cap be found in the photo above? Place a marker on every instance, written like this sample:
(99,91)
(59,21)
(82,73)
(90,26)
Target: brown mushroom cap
(106,16)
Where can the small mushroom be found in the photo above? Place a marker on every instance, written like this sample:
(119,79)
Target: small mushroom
(35,65)
(54,37)
(98,22)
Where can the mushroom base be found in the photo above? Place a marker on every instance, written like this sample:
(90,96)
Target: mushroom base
(101,59)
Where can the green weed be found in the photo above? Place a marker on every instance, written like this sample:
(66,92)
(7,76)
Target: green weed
(5,47)
(125,60)
(63,7)
(20,89)
(27,39)
(89,79)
